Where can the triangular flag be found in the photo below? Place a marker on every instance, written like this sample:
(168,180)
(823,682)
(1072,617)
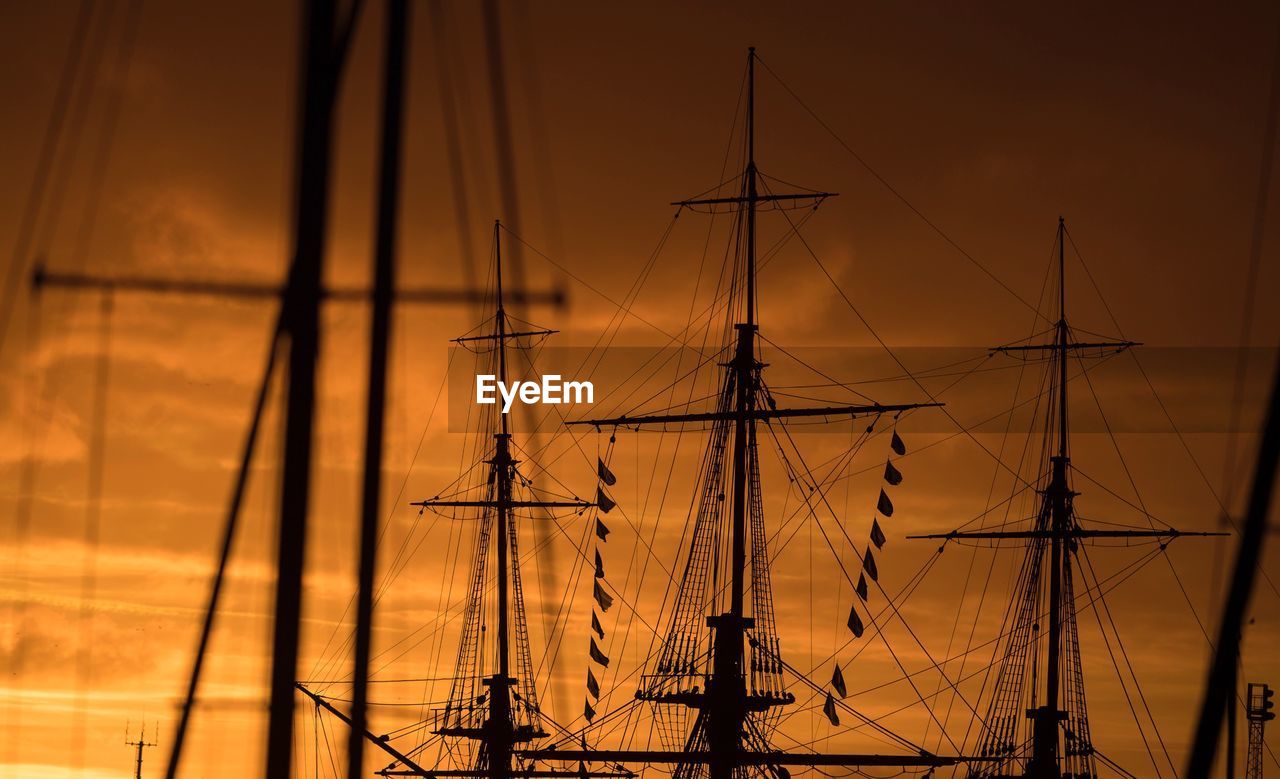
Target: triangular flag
(599,565)
(862,587)
(603,598)
(595,624)
(603,501)
(896,444)
(597,655)
(884,505)
(587,711)
(829,709)
(837,682)
(602,529)
(855,622)
(593,686)
(869,565)
(892,474)
(877,535)
(606,475)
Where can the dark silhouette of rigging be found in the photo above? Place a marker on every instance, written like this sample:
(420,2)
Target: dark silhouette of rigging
(494,699)
(730,676)
(1059,744)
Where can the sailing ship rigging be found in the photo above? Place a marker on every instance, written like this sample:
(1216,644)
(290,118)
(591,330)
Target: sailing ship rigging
(493,699)
(1036,723)
(719,683)
(720,661)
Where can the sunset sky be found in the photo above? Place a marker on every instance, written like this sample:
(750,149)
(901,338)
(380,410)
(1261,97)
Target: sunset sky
(956,134)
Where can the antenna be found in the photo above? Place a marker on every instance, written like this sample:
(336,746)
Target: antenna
(139,744)
(1258,710)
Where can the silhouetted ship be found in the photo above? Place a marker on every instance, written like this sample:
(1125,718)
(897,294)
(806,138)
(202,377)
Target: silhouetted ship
(717,686)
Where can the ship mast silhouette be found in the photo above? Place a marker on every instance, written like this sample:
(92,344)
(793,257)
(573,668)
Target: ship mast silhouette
(717,659)
(487,703)
(507,713)
(1059,745)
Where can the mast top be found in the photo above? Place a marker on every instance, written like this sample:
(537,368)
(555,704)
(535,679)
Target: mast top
(497,249)
(751,188)
(501,333)
(1062,339)
(1061,271)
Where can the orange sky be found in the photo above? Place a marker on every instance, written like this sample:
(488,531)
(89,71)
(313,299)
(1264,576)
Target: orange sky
(1142,125)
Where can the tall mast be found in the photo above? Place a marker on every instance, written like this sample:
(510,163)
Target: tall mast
(500,726)
(1062,339)
(744,363)
(1058,496)
(1060,744)
(501,718)
(723,736)
(502,465)
(727,687)
(751,186)
(500,318)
